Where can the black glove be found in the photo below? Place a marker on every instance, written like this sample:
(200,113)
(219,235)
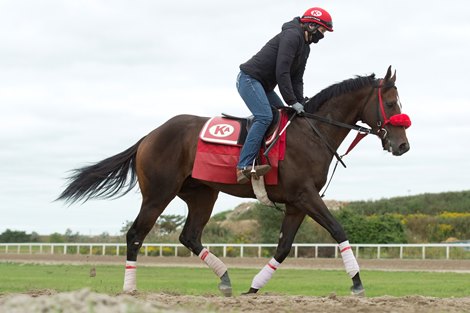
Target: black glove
(299,108)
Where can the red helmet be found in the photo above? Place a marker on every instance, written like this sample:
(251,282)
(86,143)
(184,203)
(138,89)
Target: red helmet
(318,16)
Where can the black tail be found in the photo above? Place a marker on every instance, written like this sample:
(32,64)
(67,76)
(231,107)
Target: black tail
(104,179)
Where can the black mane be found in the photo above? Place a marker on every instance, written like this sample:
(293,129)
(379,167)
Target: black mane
(338,89)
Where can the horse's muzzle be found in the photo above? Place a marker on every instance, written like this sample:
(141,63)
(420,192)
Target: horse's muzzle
(402,149)
(396,148)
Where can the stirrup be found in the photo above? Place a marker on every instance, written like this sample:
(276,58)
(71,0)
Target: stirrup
(244,175)
(259,170)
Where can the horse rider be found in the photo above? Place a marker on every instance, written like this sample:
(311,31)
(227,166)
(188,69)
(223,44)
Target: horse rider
(280,62)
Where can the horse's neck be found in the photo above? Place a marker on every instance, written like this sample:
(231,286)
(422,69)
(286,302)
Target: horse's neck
(345,109)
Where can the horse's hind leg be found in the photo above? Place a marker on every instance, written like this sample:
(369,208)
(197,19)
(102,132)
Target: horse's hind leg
(200,200)
(150,210)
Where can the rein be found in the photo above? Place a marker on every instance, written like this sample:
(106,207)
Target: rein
(319,134)
(362,132)
(399,120)
(358,128)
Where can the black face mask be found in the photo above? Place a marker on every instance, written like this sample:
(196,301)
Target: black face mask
(316,36)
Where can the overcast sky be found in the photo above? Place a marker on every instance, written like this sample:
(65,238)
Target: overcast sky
(84,80)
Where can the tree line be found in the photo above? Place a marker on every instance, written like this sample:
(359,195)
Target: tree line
(164,229)
(425,218)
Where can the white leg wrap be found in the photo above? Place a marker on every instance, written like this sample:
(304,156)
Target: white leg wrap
(349,260)
(213,262)
(130,281)
(265,274)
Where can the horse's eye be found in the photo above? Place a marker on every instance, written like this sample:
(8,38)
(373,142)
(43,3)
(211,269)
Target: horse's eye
(391,104)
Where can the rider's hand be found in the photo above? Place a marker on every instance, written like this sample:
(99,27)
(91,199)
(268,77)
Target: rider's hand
(299,108)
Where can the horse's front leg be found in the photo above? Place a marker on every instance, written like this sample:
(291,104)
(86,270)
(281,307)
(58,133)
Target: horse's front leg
(320,213)
(291,223)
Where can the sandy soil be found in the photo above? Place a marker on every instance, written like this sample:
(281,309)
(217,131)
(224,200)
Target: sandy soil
(86,301)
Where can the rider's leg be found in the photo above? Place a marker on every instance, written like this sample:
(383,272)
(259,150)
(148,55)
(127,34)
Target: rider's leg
(252,92)
(274,100)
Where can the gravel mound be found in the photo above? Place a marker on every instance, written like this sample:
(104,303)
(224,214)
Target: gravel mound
(82,301)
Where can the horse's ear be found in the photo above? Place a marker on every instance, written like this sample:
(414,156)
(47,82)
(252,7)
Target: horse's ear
(394,77)
(389,73)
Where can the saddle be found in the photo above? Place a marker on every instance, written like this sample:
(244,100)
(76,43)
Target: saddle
(233,130)
(220,142)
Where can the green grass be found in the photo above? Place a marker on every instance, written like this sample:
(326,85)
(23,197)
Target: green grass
(16,277)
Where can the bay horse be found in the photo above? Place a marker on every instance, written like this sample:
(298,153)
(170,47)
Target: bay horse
(162,161)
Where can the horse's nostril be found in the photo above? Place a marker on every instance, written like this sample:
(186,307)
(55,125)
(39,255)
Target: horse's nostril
(404,147)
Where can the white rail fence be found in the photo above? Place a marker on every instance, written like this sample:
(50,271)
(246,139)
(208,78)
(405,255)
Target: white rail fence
(378,251)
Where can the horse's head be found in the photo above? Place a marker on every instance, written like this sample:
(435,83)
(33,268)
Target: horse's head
(382,112)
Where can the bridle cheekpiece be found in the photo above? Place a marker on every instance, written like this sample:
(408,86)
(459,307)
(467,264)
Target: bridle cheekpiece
(397,120)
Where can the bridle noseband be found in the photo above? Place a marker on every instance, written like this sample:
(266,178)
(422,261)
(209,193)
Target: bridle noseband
(398,120)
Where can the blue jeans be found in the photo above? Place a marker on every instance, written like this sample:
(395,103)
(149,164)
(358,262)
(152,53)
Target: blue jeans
(259,102)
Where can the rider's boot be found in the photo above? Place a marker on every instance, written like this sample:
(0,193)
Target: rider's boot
(244,174)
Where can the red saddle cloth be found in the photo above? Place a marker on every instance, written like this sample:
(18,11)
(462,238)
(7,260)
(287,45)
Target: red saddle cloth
(218,151)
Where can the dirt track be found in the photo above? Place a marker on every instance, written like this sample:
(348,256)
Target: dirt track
(86,301)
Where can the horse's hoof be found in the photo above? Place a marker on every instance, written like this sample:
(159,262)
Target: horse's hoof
(225,290)
(131,292)
(358,291)
(250,292)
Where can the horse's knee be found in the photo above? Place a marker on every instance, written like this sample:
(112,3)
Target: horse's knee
(282,254)
(331,225)
(282,251)
(338,234)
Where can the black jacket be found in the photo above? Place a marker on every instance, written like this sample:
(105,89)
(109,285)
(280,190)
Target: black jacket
(282,62)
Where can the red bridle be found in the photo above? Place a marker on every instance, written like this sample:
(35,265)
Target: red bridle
(399,120)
